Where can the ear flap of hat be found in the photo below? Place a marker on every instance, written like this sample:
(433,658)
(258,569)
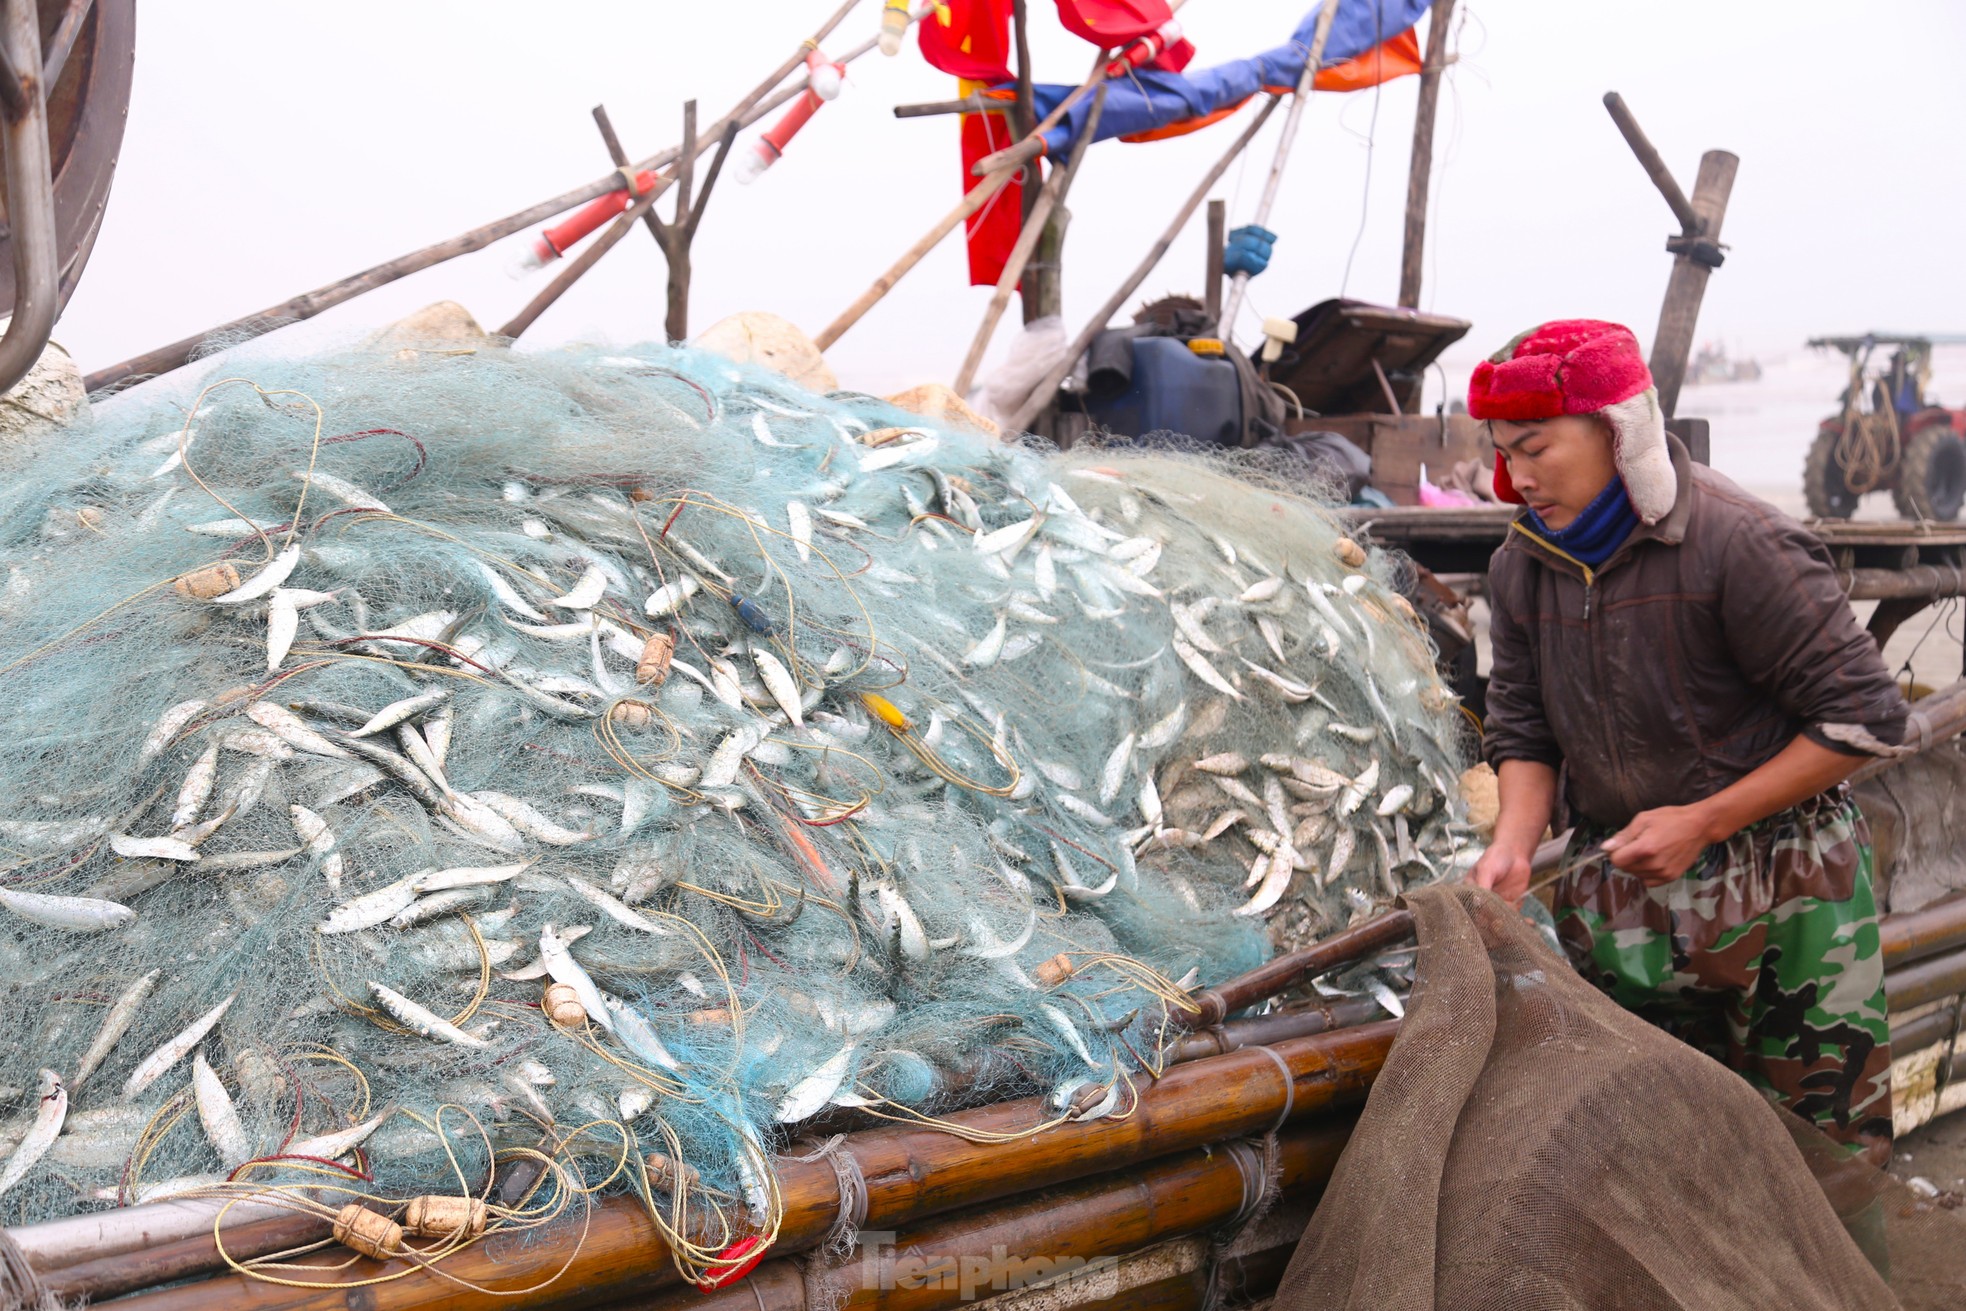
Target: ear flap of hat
(1644,460)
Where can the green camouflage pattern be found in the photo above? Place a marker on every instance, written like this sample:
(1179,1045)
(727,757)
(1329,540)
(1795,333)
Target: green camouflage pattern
(1766,956)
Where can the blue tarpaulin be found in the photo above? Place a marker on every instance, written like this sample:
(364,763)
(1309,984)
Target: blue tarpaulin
(1144,99)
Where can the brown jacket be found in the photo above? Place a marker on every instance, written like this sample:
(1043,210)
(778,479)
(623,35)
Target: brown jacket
(1686,660)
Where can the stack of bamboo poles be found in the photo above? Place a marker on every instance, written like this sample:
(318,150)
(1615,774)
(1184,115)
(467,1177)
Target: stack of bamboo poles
(935,1187)
(1925,977)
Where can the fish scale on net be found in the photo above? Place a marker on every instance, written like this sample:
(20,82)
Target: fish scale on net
(886,765)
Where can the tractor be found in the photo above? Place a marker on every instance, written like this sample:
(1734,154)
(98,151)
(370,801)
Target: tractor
(1889,436)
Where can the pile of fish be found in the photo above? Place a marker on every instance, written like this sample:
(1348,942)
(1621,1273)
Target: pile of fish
(591,749)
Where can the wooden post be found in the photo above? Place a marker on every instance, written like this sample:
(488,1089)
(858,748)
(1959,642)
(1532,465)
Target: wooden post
(1696,256)
(1696,248)
(675,245)
(1041,395)
(1218,227)
(1420,171)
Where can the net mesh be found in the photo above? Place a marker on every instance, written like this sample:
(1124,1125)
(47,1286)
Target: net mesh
(337,697)
(1531,1145)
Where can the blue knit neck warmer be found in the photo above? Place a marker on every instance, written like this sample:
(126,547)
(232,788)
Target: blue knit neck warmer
(1601,529)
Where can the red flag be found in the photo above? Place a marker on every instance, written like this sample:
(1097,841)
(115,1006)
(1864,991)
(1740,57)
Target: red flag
(969,38)
(992,230)
(1116,23)
(1113,22)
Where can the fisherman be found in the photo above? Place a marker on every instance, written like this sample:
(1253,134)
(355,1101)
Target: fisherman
(1676,664)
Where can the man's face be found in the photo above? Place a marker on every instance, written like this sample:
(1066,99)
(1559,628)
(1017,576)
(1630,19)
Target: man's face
(1557,465)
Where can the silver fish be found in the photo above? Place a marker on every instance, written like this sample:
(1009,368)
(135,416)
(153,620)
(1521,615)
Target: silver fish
(196,790)
(275,572)
(135,848)
(669,598)
(371,908)
(293,730)
(122,1014)
(154,1066)
(1205,671)
(529,821)
(618,911)
(559,963)
(585,594)
(51,1109)
(218,1115)
(779,682)
(397,712)
(810,1094)
(167,728)
(341,489)
(73,914)
(421,1021)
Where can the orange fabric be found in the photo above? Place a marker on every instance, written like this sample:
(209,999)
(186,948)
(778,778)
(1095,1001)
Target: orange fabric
(1185,126)
(1398,57)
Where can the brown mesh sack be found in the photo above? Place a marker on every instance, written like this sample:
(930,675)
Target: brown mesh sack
(1531,1145)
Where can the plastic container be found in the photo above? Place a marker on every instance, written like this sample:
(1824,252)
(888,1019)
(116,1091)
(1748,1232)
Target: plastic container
(1172,390)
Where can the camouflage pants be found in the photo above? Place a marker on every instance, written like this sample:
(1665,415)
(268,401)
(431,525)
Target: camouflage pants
(1765,956)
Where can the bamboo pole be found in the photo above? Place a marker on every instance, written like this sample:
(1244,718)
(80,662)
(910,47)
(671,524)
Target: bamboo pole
(1929,979)
(973,200)
(947,1263)
(1213,1005)
(1055,189)
(305,306)
(1419,175)
(1274,183)
(163,1263)
(911,1174)
(1041,394)
(1920,933)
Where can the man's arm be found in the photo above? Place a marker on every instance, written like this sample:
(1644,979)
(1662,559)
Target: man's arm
(1527,789)
(1660,845)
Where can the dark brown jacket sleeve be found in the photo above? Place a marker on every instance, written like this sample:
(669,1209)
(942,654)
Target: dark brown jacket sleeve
(1516,727)
(1789,627)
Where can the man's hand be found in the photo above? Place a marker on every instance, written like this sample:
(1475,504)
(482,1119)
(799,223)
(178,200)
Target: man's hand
(1660,845)
(1504,870)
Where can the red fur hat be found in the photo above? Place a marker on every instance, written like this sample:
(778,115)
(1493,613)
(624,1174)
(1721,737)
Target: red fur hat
(1582,366)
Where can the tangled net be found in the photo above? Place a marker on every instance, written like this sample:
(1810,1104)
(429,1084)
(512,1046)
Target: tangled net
(612,761)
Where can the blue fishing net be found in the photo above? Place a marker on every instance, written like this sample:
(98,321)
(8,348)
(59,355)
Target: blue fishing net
(820,757)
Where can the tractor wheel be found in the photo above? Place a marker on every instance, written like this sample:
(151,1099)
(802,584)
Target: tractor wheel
(1823,487)
(1932,475)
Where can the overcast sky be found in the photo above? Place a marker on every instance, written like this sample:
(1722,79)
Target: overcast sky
(276,147)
